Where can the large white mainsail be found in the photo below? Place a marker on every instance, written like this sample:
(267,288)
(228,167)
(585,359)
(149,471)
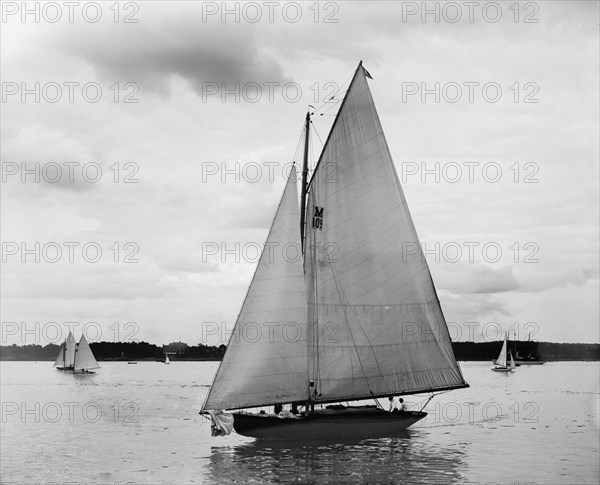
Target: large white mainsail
(66,354)
(84,357)
(375,323)
(266,357)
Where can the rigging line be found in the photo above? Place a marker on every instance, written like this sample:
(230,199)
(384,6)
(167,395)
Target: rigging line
(299,144)
(317,133)
(361,327)
(339,89)
(342,297)
(333,105)
(431,397)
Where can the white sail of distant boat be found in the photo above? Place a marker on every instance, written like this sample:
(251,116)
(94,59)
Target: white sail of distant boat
(501,361)
(167,361)
(66,354)
(84,358)
(367,321)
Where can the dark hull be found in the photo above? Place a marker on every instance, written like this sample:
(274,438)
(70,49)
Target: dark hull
(64,368)
(350,423)
(530,362)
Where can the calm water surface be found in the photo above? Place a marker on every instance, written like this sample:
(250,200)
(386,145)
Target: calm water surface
(140,424)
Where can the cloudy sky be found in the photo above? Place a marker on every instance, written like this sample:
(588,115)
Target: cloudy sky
(144,147)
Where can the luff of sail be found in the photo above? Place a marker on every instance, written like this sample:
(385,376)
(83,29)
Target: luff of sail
(84,357)
(266,358)
(375,323)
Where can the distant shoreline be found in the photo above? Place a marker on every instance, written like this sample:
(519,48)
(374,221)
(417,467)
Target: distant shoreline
(145,352)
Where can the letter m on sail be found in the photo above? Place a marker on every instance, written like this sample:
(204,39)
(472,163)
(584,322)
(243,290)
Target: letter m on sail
(317,221)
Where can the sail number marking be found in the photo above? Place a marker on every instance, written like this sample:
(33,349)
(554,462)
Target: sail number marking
(317,221)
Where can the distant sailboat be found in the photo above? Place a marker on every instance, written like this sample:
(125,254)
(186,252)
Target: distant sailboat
(530,359)
(66,354)
(167,361)
(501,362)
(356,316)
(84,358)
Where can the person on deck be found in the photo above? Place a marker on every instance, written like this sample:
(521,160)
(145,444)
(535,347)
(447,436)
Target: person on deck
(402,406)
(393,403)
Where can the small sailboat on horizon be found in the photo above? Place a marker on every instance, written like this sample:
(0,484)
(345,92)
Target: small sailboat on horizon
(76,357)
(501,363)
(354,317)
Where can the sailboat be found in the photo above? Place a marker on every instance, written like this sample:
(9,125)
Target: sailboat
(501,364)
(167,361)
(84,358)
(530,359)
(66,354)
(353,317)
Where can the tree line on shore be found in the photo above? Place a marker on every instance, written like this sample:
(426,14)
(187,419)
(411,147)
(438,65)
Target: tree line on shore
(107,351)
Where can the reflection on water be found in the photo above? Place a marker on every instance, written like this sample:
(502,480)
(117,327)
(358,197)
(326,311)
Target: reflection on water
(404,459)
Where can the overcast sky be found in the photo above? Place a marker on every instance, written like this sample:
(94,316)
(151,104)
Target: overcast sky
(193,115)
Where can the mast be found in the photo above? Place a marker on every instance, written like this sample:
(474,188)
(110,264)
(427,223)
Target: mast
(304,185)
